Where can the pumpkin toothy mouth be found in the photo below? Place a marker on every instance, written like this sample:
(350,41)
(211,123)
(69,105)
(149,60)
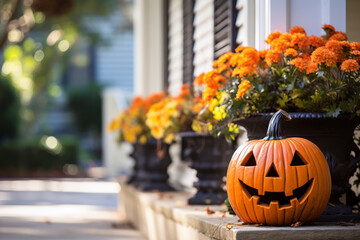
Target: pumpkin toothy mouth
(283,201)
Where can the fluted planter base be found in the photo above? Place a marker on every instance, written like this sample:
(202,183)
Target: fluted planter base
(151,164)
(209,156)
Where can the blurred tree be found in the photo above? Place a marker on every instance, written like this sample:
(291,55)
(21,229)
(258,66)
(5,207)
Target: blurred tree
(9,109)
(35,59)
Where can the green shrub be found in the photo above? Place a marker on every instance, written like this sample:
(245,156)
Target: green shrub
(9,109)
(85,105)
(33,154)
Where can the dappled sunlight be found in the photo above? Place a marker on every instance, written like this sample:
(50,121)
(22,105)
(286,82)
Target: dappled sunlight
(61,209)
(65,185)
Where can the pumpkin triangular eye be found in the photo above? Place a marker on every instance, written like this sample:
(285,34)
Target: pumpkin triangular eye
(272,171)
(297,160)
(250,161)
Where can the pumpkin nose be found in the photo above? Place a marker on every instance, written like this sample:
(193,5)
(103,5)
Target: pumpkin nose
(272,172)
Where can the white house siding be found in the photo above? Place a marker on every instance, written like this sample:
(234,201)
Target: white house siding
(149,46)
(114,61)
(203,36)
(175,46)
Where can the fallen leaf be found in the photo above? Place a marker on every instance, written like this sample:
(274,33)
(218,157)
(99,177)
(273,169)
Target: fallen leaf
(297,224)
(209,211)
(222,214)
(229,226)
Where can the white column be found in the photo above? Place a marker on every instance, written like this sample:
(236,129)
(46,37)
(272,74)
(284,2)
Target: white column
(279,19)
(245,22)
(334,13)
(149,46)
(262,23)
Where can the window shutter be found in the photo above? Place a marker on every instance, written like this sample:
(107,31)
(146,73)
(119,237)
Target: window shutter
(188,41)
(225,31)
(203,36)
(175,46)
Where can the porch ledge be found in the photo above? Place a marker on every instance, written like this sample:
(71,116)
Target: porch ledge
(164,216)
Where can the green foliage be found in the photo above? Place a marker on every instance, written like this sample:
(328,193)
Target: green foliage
(31,154)
(84,102)
(313,78)
(9,109)
(229,207)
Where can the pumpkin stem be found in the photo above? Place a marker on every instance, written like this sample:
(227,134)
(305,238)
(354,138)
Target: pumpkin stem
(274,128)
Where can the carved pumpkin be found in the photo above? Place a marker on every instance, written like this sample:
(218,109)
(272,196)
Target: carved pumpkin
(277,180)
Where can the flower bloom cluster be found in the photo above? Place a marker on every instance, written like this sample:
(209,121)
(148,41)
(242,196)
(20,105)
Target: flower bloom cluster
(247,81)
(297,72)
(131,121)
(172,115)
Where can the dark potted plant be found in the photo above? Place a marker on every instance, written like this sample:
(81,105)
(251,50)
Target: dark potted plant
(315,79)
(209,156)
(151,159)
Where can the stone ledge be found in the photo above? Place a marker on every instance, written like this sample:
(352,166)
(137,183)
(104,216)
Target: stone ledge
(167,216)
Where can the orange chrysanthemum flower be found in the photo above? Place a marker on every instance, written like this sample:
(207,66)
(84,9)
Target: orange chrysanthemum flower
(312,67)
(301,62)
(272,36)
(300,40)
(328,27)
(222,62)
(323,55)
(184,92)
(282,43)
(262,53)
(355,46)
(340,36)
(245,62)
(239,48)
(345,44)
(250,57)
(272,56)
(243,89)
(297,29)
(199,80)
(350,65)
(211,82)
(316,41)
(355,52)
(243,71)
(336,47)
(290,52)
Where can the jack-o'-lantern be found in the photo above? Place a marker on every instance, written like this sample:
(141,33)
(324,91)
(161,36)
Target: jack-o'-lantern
(277,180)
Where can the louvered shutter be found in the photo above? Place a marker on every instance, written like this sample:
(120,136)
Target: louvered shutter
(225,30)
(203,36)
(175,46)
(188,41)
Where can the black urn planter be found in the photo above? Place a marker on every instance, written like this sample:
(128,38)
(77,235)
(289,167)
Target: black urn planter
(334,136)
(151,163)
(210,157)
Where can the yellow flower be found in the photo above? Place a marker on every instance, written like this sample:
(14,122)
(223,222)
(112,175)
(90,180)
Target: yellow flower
(169,138)
(233,130)
(129,137)
(210,126)
(219,113)
(223,96)
(143,139)
(214,103)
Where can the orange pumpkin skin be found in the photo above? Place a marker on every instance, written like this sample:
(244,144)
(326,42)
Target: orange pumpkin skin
(291,176)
